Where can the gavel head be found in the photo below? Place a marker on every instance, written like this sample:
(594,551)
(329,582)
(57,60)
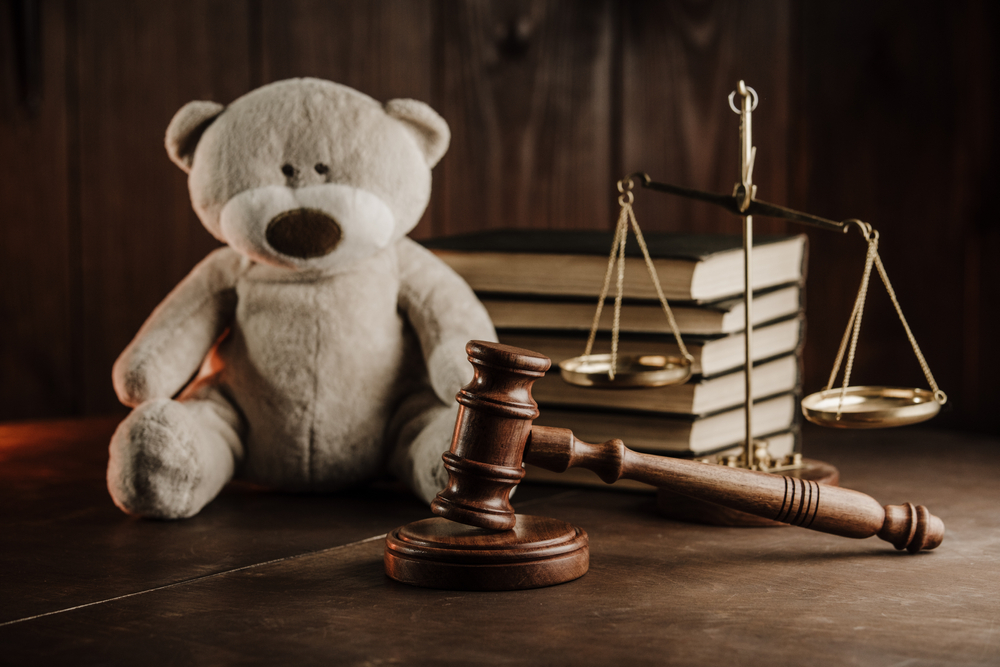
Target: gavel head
(494,420)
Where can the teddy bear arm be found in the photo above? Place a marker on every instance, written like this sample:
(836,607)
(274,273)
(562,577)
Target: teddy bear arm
(171,345)
(445,314)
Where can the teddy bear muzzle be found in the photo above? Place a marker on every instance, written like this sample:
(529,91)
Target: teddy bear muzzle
(303,233)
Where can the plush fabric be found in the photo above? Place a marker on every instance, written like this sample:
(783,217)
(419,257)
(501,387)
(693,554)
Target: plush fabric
(321,347)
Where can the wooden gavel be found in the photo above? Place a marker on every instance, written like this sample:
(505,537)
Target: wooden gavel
(494,434)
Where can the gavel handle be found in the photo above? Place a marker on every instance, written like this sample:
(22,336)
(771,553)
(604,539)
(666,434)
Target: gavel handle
(791,500)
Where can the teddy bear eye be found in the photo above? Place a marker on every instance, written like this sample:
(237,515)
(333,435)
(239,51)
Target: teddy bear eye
(288,170)
(321,168)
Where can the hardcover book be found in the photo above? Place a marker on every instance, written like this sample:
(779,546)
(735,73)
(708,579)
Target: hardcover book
(691,267)
(713,355)
(674,435)
(712,318)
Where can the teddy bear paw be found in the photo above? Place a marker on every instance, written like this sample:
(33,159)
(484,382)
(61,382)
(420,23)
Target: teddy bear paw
(154,466)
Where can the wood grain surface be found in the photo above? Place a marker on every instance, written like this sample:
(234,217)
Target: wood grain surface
(264,578)
(526,88)
(39,351)
(137,64)
(63,543)
(680,61)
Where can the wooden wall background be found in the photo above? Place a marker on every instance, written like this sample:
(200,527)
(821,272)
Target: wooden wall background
(870,110)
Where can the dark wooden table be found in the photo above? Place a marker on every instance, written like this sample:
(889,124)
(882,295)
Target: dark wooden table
(267,578)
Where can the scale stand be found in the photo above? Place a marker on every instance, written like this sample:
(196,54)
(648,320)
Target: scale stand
(846,407)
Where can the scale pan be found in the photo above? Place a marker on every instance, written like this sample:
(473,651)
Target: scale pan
(645,370)
(870,407)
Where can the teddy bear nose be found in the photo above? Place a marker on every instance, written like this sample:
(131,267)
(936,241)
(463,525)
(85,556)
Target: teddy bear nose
(304,233)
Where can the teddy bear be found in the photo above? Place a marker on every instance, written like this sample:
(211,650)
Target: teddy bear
(320,347)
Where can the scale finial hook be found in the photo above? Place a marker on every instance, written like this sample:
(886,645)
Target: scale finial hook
(743,90)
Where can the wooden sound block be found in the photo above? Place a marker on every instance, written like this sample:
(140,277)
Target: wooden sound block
(438,553)
(683,508)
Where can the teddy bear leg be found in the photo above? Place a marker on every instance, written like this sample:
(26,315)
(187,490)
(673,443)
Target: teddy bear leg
(170,458)
(421,430)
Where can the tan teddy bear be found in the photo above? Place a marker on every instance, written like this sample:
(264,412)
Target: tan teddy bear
(342,341)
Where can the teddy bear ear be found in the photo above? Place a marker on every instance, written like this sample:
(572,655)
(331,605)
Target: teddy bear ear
(186,128)
(430,129)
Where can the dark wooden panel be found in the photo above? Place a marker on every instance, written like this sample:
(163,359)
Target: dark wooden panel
(526,88)
(35,234)
(977,70)
(680,61)
(896,129)
(658,592)
(137,64)
(385,49)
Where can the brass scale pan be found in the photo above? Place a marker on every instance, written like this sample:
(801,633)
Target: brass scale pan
(870,407)
(645,370)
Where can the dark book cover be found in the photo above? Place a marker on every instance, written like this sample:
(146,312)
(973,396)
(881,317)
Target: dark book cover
(603,337)
(693,247)
(719,305)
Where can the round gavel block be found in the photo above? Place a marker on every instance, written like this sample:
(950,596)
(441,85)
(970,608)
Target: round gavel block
(437,553)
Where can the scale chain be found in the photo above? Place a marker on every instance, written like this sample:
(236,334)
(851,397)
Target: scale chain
(854,323)
(659,290)
(843,346)
(859,311)
(627,215)
(615,327)
(939,395)
(607,278)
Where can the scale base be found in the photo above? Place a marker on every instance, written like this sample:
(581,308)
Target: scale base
(438,553)
(682,508)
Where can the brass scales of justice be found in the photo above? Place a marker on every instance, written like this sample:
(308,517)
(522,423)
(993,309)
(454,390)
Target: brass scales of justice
(849,407)
(478,542)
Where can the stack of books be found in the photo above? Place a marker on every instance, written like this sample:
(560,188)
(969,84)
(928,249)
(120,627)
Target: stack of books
(541,290)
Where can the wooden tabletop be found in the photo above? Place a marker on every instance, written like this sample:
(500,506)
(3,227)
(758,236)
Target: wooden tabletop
(268,578)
